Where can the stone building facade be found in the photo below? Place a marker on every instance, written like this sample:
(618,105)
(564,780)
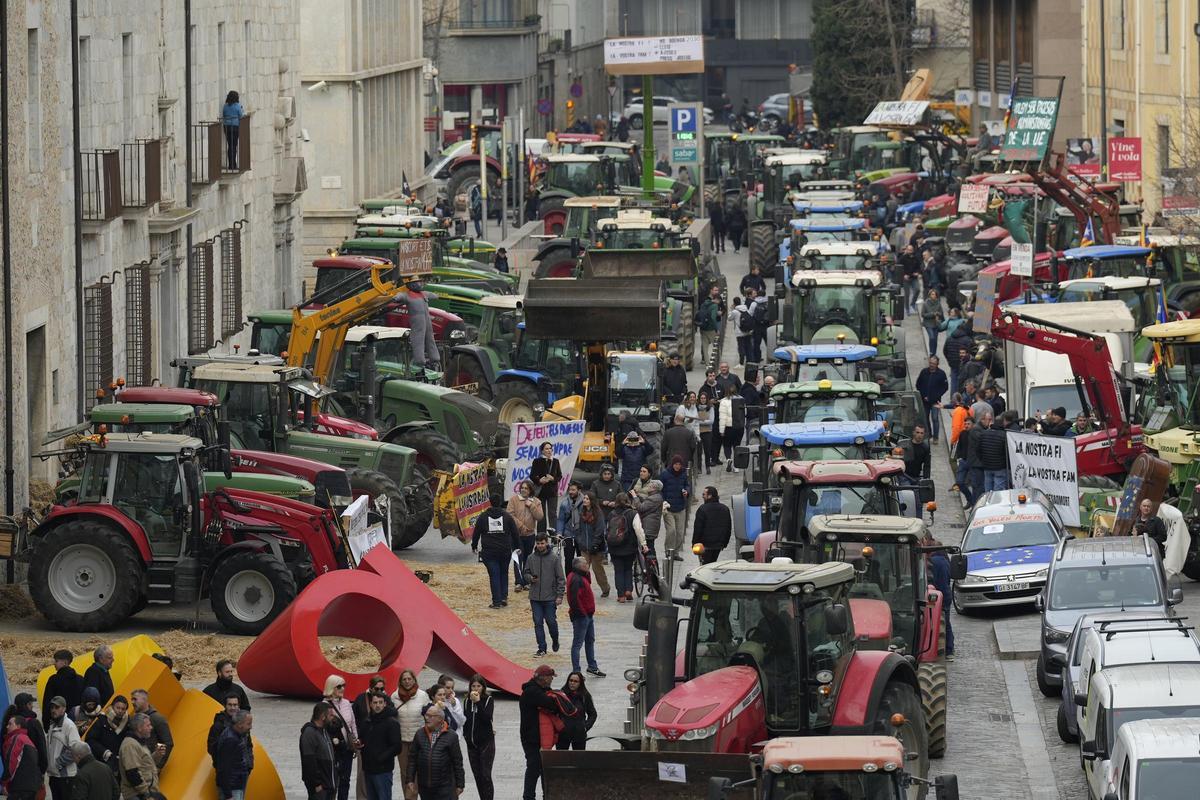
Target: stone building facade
(164,273)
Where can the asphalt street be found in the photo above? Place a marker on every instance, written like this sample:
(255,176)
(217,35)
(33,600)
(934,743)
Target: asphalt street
(1002,740)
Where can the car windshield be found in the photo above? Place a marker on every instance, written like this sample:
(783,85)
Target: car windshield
(1139,300)
(820,785)
(1167,778)
(1121,716)
(826,370)
(793,175)
(271,338)
(838,263)
(845,305)
(985,534)
(852,452)
(1045,398)
(865,499)
(823,408)
(581,178)
(637,239)
(632,380)
(1100,268)
(1094,586)
(883,571)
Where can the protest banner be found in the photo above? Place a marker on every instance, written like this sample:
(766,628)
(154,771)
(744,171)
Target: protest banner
(1125,158)
(471,496)
(361,534)
(527,438)
(973,198)
(1046,463)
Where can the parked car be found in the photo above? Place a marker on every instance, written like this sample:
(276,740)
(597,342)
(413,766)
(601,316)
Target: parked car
(1117,639)
(1089,576)
(1155,758)
(1010,539)
(775,109)
(633,111)
(1120,695)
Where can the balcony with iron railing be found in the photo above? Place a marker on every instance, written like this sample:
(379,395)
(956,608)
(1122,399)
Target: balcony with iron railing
(485,15)
(141,173)
(219,150)
(101,174)
(551,42)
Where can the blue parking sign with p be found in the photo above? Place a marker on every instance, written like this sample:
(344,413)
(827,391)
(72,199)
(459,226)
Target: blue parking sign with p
(683,120)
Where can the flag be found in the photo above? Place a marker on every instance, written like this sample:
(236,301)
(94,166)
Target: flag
(404,184)
(1144,237)
(1162,303)
(1012,95)
(1089,235)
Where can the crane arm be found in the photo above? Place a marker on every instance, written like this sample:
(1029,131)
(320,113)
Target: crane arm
(1084,203)
(1087,353)
(333,321)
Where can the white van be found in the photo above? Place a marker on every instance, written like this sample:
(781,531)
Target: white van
(1155,759)
(1119,695)
(1136,639)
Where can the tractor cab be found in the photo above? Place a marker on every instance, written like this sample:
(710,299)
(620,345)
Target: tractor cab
(391,350)
(1106,260)
(829,256)
(849,145)
(843,308)
(401,244)
(828,228)
(633,388)
(824,401)
(796,363)
(785,174)
(1177,415)
(569,230)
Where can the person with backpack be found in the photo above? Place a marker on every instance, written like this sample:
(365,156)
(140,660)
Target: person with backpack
(624,540)
(495,537)
(744,339)
(576,727)
(709,321)
(535,698)
(476,202)
(758,322)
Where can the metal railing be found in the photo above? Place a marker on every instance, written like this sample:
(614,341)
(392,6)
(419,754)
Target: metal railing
(231,280)
(141,173)
(550,42)
(239,148)
(101,184)
(200,298)
(97,339)
(138,334)
(205,142)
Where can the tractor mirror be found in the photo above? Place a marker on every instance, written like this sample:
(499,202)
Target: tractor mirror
(741,457)
(899,368)
(1090,751)
(780,286)
(837,620)
(1080,699)
(1039,603)
(223,434)
(191,479)
(755,495)
(575,247)
(789,323)
(226,463)
(926,489)
(718,788)
(898,309)
(945,787)
(958,567)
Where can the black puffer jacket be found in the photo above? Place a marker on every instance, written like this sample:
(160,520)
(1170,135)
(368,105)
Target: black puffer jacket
(381,740)
(713,526)
(993,448)
(436,764)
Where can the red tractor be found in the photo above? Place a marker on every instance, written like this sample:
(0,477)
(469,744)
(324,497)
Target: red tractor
(772,650)
(143,530)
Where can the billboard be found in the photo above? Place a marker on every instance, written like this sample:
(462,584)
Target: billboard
(1083,157)
(1125,158)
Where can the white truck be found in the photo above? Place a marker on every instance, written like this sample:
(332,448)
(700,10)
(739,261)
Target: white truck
(1155,759)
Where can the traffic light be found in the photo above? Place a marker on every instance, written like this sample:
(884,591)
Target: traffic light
(474,138)
(570,113)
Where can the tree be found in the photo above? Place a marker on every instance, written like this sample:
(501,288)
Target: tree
(861,53)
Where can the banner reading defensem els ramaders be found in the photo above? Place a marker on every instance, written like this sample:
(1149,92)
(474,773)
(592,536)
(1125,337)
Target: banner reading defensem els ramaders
(1046,463)
(528,437)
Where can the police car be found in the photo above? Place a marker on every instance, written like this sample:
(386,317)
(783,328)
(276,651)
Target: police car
(1007,550)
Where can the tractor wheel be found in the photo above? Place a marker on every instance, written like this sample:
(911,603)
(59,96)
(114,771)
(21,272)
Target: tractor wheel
(1064,732)
(556,263)
(466,369)
(932,677)
(468,176)
(1043,680)
(85,576)
(419,497)
(901,698)
(249,590)
(387,500)
(516,401)
(554,214)
(763,250)
(435,450)
(686,334)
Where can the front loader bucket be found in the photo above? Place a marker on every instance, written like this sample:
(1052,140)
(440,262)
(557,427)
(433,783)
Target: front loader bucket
(594,310)
(624,775)
(674,264)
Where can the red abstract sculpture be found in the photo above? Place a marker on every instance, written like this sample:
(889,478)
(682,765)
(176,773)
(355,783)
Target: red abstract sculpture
(383,603)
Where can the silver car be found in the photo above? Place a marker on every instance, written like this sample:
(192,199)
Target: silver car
(1009,543)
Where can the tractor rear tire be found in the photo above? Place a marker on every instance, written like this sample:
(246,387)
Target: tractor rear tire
(686,333)
(555,206)
(387,500)
(556,263)
(901,698)
(434,449)
(85,576)
(467,369)
(249,590)
(465,177)
(763,250)
(932,677)
(515,401)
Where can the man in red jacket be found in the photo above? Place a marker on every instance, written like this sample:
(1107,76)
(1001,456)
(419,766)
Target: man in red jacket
(581,605)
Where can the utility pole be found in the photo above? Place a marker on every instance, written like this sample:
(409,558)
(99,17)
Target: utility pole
(1103,94)
(648,136)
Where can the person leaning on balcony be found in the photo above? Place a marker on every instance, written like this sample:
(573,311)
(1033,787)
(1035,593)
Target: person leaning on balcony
(231,118)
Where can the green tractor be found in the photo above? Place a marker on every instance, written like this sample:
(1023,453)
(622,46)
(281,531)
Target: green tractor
(274,409)
(770,212)
(393,214)
(732,163)
(383,242)
(846,401)
(848,146)
(1173,429)
(843,308)
(557,255)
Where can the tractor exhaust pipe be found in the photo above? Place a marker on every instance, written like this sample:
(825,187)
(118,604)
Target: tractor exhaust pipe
(369,382)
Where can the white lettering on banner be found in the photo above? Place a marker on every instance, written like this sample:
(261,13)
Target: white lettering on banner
(526,441)
(1021,259)
(361,536)
(1046,463)
(973,198)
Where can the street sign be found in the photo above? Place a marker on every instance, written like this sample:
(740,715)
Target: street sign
(685,123)
(654,55)
(973,198)
(963,97)
(985,99)
(1022,259)
(1125,158)
(1030,128)
(431,124)
(544,106)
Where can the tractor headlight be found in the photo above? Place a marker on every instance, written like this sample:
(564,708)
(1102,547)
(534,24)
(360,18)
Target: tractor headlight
(458,334)
(538,408)
(633,675)
(702,733)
